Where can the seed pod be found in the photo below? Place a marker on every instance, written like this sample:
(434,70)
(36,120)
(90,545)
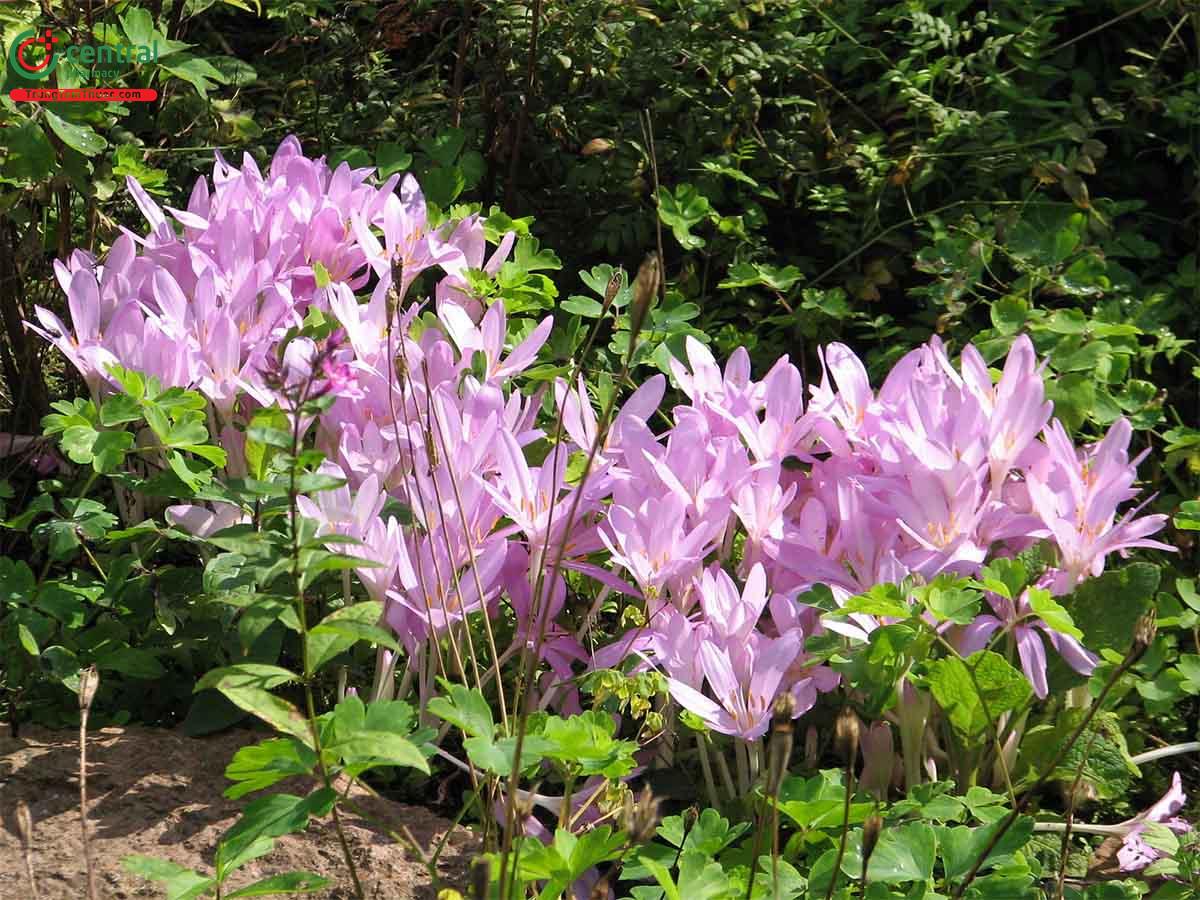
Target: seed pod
(872,828)
(89,681)
(846,734)
(1144,633)
(645,289)
(639,819)
(610,292)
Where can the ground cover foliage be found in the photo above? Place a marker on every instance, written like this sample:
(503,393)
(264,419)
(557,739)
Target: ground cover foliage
(735,448)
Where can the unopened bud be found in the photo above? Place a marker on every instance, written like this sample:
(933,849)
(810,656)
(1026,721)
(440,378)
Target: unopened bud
(24,824)
(645,289)
(89,681)
(610,293)
(1144,633)
(601,891)
(846,734)
(449,894)
(481,878)
(639,818)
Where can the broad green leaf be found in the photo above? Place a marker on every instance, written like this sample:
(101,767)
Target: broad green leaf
(391,158)
(271,817)
(343,628)
(381,748)
(275,711)
(78,137)
(257,675)
(904,853)
(464,708)
(973,703)
(1052,613)
(1100,753)
(682,210)
(197,72)
(961,846)
(132,661)
(262,765)
(287,883)
(1109,607)
(181,883)
(29,155)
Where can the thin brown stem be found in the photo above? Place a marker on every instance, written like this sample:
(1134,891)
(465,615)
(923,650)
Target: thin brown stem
(1131,657)
(841,854)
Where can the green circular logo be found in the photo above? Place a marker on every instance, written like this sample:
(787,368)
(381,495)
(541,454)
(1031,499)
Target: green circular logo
(23,55)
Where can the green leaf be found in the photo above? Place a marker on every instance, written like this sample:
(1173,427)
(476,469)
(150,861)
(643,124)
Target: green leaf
(582,306)
(109,450)
(391,158)
(585,742)
(381,748)
(262,765)
(880,600)
(275,711)
(343,628)
(905,853)
(972,704)
(681,211)
(445,146)
(28,641)
(181,883)
(950,604)
(138,25)
(1123,596)
(287,883)
(78,137)
(700,877)
(29,155)
(464,708)
(1052,613)
(497,756)
(270,817)
(1188,517)
(1100,753)
(257,675)
(119,409)
(1009,314)
(199,73)
(961,846)
(131,661)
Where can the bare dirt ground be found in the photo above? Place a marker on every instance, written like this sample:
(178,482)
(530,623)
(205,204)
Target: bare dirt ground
(158,793)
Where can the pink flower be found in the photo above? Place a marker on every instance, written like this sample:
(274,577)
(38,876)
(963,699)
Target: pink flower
(1135,853)
(745,677)
(1028,632)
(1076,494)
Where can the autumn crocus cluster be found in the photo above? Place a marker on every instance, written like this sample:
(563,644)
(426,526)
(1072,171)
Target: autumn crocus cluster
(713,517)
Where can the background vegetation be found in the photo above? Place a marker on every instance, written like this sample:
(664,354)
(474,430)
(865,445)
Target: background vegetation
(859,171)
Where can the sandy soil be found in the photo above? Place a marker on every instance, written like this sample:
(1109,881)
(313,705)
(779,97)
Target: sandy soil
(158,793)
